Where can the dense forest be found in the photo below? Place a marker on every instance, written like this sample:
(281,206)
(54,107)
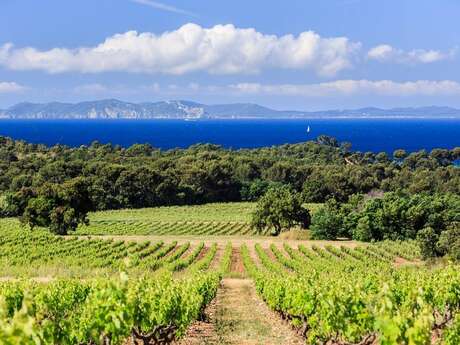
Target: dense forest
(56,186)
(142,176)
(432,219)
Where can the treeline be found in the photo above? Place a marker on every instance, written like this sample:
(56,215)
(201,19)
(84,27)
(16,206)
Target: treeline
(432,219)
(143,176)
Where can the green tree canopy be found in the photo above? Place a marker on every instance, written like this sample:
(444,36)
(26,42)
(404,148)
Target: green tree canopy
(61,208)
(280,209)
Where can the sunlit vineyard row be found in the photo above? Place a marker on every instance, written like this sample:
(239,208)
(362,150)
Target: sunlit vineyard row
(154,309)
(221,219)
(340,295)
(357,293)
(40,253)
(166,228)
(213,212)
(173,284)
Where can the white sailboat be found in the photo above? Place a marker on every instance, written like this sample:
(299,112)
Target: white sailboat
(308,129)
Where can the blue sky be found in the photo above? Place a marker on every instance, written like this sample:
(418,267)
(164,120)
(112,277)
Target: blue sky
(284,54)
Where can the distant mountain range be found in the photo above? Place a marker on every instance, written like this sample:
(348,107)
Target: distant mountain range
(115,109)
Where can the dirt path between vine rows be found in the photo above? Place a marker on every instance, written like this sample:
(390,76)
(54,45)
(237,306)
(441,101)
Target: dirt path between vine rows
(250,241)
(237,316)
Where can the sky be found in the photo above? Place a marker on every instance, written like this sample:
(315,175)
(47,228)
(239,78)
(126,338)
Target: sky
(291,54)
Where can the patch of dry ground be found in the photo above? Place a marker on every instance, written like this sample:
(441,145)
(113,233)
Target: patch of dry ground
(399,261)
(239,317)
(216,260)
(237,241)
(236,265)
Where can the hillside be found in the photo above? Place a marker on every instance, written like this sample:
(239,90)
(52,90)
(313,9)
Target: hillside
(179,109)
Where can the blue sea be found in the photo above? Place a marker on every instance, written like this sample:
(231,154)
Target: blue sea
(365,134)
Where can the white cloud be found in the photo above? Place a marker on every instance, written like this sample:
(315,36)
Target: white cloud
(381,52)
(222,49)
(163,7)
(387,53)
(354,87)
(10,87)
(340,88)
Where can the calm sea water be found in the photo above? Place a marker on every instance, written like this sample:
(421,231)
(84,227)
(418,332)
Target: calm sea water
(364,134)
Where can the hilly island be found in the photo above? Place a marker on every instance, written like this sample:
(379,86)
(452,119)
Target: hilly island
(180,109)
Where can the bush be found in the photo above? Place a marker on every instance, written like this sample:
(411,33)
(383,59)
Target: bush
(326,222)
(363,231)
(449,242)
(428,242)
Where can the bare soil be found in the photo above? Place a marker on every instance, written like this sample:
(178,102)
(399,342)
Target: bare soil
(202,254)
(236,266)
(239,317)
(399,261)
(250,241)
(216,260)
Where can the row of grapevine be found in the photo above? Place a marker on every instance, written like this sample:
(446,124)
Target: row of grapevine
(145,227)
(149,310)
(40,250)
(153,309)
(357,296)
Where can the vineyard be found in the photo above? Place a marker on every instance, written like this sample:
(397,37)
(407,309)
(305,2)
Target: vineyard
(144,228)
(107,291)
(217,212)
(211,219)
(358,296)
(39,253)
(153,308)
(219,219)
(147,310)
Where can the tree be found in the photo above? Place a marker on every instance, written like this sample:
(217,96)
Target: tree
(442,156)
(449,242)
(141,176)
(61,208)
(428,242)
(14,204)
(382,157)
(253,191)
(392,216)
(327,140)
(399,154)
(139,150)
(280,209)
(315,189)
(327,222)
(345,147)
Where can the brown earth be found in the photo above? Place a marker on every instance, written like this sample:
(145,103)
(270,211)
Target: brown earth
(250,241)
(238,316)
(236,266)
(216,260)
(399,261)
